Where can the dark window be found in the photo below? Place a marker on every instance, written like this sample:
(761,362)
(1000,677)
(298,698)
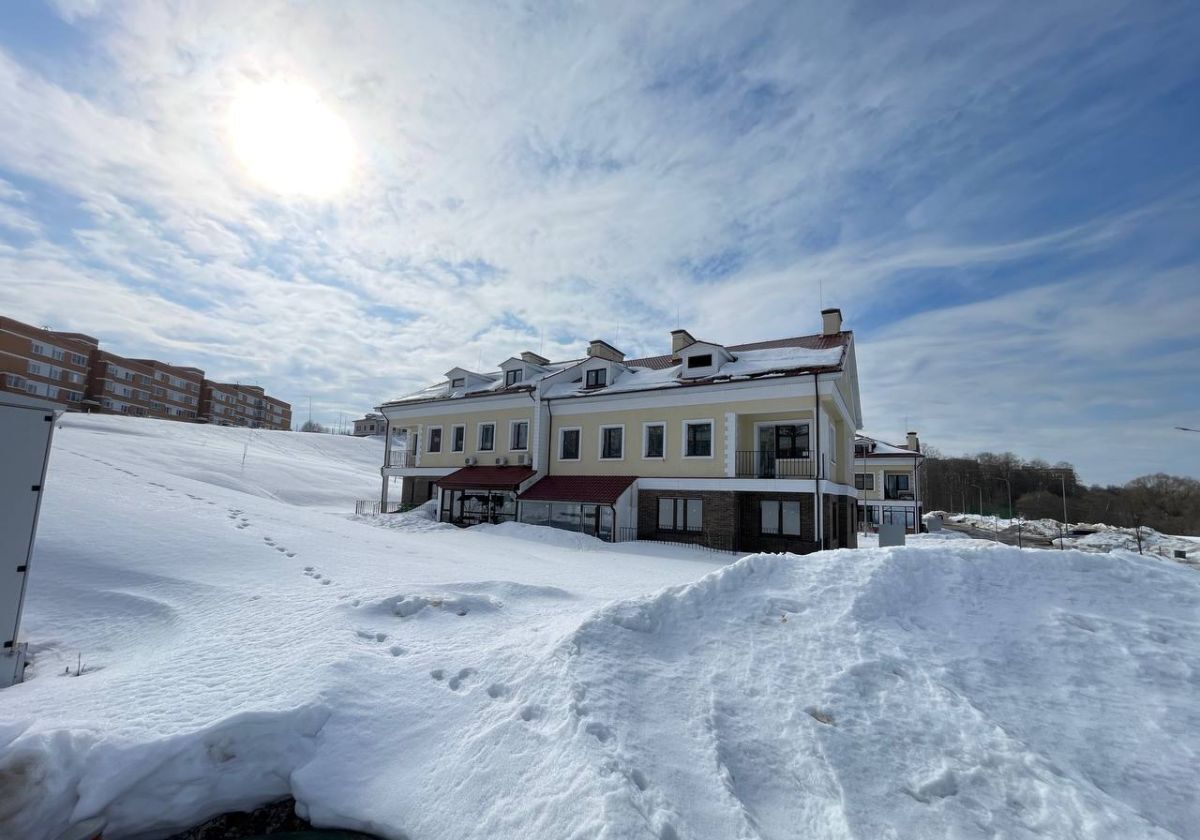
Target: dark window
(487,437)
(597,378)
(699,440)
(458,383)
(700,361)
(779,517)
(791,441)
(680,514)
(860,450)
(864,481)
(520,436)
(569,450)
(612,442)
(512,377)
(655,441)
(458,438)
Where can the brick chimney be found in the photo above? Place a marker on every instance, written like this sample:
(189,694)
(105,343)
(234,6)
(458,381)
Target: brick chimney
(603,350)
(532,358)
(913,443)
(679,340)
(831,321)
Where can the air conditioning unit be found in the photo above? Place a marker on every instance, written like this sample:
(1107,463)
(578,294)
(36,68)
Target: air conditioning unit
(470,462)
(522,459)
(501,461)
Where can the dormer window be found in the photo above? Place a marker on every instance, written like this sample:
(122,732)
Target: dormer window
(702,361)
(597,378)
(512,377)
(458,382)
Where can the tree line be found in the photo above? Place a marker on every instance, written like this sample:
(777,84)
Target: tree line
(986,482)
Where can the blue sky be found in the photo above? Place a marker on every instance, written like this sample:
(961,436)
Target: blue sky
(1005,202)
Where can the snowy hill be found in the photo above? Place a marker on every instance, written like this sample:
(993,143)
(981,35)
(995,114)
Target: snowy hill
(243,640)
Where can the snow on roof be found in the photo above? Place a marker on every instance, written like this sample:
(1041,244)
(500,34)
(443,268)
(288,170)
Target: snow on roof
(881,448)
(762,358)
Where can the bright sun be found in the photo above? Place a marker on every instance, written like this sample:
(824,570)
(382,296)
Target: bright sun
(289,141)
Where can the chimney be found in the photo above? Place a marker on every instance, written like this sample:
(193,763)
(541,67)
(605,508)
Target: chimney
(831,321)
(533,358)
(679,340)
(603,350)
(913,443)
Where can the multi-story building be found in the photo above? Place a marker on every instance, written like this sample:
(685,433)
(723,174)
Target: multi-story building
(233,404)
(119,385)
(175,390)
(44,363)
(747,447)
(888,480)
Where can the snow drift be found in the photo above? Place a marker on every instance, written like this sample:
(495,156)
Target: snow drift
(433,683)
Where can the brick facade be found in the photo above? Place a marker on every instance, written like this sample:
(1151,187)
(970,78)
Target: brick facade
(44,363)
(720,517)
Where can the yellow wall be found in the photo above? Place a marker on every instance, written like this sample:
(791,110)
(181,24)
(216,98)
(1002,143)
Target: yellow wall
(865,465)
(472,420)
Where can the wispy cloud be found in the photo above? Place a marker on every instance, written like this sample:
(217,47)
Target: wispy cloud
(1003,204)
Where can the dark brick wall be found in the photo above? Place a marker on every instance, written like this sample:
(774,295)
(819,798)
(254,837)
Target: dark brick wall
(720,516)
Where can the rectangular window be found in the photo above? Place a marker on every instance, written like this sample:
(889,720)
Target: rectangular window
(779,517)
(38,349)
(700,361)
(597,378)
(435,439)
(519,436)
(568,449)
(78,360)
(56,354)
(35,369)
(864,481)
(458,383)
(654,444)
(458,438)
(791,441)
(512,377)
(612,442)
(698,437)
(680,514)
(487,437)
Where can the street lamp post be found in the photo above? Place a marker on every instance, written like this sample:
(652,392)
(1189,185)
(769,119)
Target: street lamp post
(1009,483)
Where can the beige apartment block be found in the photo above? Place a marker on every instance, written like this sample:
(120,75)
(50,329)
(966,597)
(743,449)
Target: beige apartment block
(745,446)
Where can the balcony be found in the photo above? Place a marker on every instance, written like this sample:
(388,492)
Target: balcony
(402,458)
(765,464)
(892,494)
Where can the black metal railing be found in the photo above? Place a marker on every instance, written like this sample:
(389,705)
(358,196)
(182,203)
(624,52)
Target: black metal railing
(766,464)
(705,540)
(893,495)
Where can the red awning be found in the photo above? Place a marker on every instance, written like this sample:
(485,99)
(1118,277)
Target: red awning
(485,478)
(598,489)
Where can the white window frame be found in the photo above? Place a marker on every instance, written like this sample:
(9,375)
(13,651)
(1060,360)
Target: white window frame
(479,436)
(453,428)
(37,348)
(562,433)
(712,448)
(600,442)
(458,382)
(512,425)
(646,440)
(429,439)
(516,375)
(597,372)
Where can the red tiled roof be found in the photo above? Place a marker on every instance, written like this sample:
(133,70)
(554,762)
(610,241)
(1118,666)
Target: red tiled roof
(808,342)
(485,478)
(601,489)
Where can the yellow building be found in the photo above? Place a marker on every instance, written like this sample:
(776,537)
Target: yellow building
(747,447)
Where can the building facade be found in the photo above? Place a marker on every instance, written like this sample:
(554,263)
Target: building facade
(373,425)
(119,385)
(44,363)
(745,447)
(888,479)
(174,390)
(233,404)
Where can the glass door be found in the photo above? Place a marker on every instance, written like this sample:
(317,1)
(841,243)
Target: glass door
(766,452)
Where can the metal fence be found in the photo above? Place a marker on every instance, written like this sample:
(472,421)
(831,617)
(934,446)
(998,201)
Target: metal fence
(760,464)
(366,507)
(696,539)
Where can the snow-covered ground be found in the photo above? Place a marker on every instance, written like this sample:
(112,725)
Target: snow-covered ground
(1102,538)
(243,639)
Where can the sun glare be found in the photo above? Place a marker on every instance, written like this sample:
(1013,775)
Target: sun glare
(289,141)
